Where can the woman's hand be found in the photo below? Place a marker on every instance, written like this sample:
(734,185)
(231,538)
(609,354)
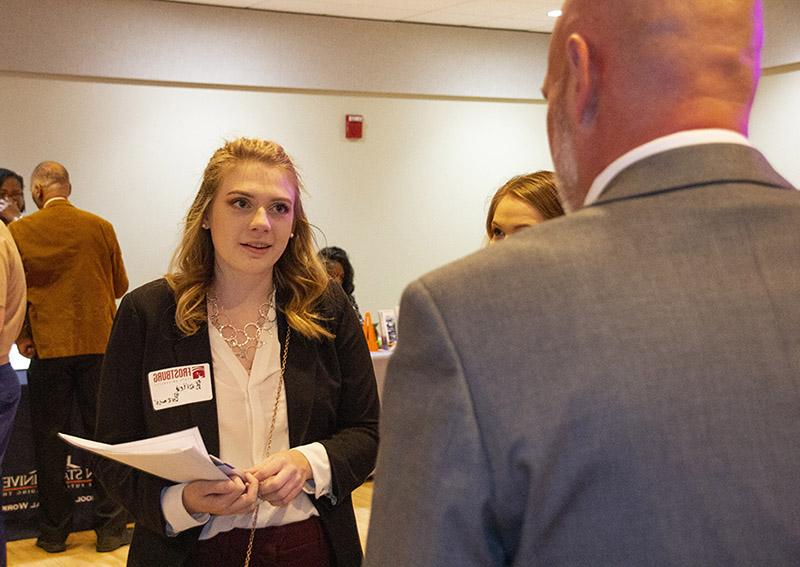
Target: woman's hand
(221,497)
(281,476)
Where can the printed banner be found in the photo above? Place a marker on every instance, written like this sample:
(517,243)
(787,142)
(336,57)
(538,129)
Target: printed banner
(20,500)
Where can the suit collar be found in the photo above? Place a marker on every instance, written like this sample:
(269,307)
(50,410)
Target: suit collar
(691,166)
(657,146)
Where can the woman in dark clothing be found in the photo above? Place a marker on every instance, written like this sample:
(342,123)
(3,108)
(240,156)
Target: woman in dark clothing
(341,270)
(271,366)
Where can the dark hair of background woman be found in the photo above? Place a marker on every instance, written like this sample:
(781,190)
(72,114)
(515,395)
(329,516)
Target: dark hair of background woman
(336,254)
(6,173)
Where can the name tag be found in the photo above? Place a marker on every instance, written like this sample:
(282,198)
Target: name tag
(181,385)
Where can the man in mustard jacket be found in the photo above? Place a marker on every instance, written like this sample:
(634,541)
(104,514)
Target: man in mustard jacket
(73,266)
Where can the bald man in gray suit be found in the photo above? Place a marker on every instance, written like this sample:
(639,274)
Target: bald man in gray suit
(620,386)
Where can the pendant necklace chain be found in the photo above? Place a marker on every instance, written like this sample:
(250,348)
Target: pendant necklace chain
(269,442)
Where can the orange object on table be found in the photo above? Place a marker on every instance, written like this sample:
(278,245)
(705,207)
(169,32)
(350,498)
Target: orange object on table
(369,332)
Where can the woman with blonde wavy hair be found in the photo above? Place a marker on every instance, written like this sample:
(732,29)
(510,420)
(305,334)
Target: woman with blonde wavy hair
(246,339)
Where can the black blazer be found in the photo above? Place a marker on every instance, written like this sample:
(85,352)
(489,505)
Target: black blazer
(330,393)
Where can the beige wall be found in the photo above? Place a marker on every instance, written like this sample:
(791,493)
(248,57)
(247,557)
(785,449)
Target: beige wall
(775,122)
(411,195)
(134,95)
(781,24)
(173,42)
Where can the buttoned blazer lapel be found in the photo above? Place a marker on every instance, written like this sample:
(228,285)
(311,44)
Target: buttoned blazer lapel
(692,166)
(196,349)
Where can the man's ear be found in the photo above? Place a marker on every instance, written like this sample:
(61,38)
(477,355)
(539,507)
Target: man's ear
(583,79)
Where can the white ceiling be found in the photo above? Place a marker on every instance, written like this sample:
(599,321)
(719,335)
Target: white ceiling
(527,15)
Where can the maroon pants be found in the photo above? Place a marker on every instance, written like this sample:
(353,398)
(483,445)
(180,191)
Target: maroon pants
(302,544)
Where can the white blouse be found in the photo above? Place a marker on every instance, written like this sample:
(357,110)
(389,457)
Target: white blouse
(245,406)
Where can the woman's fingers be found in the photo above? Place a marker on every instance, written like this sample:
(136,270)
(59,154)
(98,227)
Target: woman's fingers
(212,496)
(282,488)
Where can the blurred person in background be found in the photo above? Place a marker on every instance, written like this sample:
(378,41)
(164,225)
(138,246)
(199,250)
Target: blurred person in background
(12,315)
(521,202)
(74,272)
(339,268)
(12,199)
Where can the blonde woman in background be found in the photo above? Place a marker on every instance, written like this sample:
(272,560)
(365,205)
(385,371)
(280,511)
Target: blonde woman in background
(286,387)
(523,201)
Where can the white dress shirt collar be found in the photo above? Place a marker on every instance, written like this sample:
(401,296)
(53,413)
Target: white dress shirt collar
(662,144)
(51,199)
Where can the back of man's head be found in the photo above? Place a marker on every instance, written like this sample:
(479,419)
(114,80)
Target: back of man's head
(50,173)
(49,179)
(623,72)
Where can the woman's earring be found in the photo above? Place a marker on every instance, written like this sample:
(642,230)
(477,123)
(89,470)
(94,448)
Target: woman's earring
(204,225)
(291,235)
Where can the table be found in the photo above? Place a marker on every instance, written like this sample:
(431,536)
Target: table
(380,361)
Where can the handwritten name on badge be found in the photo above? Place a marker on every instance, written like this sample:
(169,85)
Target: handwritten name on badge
(181,385)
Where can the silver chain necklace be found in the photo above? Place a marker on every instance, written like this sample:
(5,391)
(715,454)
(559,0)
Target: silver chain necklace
(250,337)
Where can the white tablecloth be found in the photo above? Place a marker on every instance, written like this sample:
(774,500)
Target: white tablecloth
(380,360)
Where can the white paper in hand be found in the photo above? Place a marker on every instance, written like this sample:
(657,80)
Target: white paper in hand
(179,456)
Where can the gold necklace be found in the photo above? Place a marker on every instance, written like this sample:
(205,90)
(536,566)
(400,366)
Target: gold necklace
(269,443)
(241,341)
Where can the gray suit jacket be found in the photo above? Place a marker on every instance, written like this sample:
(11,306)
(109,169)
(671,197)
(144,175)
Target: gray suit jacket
(620,386)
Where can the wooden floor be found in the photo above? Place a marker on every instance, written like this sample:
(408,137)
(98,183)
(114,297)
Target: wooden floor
(80,546)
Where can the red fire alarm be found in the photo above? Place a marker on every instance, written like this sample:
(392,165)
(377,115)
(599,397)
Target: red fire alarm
(353,126)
